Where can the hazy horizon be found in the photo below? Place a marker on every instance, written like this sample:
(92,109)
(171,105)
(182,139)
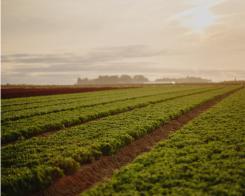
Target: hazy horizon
(55,42)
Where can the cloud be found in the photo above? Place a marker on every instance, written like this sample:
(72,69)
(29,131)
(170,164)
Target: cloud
(127,59)
(130,57)
(51,42)
(97,55)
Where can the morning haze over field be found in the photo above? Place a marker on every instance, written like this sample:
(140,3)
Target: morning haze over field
(55,42)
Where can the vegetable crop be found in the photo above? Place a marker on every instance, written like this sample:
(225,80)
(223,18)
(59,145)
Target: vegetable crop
(34,163)
(22,128)
(205,157)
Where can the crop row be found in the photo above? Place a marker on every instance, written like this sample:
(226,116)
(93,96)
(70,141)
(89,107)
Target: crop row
(28,127)
(39,101)
(46,98)
(82,98)
(206,157)
(34,163)
(82,102)
(36,101)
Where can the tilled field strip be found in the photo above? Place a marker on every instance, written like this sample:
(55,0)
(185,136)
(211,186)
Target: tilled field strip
(92,173)
(56,97)
(39,102)
(22,128)
(31,91)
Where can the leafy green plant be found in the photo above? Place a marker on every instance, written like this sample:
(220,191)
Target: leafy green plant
(30,164)
(22,128)
(205,157)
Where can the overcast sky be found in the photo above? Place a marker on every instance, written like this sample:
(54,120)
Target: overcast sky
(56,41)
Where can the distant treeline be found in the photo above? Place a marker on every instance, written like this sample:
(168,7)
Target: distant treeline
(184,80)
(123,79)
(138,79)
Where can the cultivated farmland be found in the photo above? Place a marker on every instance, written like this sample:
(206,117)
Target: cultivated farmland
(16,124)
(48,137)
(206,157)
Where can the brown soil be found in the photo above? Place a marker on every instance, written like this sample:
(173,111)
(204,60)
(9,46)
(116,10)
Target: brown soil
(15,92)
(92,173)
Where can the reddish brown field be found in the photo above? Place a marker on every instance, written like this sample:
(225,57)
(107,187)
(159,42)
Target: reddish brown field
(28,91)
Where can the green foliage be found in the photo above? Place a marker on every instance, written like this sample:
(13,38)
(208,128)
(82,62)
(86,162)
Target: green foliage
(16,124)
(68,165)
(206,157)
(26,180)
(31,164)
(14,109)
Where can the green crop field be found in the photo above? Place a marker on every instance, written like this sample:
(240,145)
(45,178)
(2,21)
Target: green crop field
(83,110)
(206,157)
(47,137)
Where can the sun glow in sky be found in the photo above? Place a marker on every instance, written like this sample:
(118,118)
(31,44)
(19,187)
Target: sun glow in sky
(198,19)
(56,41)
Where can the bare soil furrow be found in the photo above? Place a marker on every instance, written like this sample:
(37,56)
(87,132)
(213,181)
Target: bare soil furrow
(92,173)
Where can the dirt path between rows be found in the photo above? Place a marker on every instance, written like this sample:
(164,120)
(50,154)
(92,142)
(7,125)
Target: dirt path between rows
(89,174)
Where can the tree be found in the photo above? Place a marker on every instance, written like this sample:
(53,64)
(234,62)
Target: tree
(125,79)
(140,79)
